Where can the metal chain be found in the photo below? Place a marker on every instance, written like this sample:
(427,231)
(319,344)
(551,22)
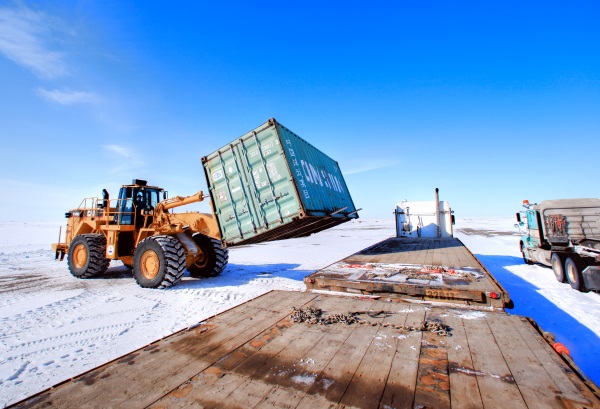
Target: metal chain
(312,315)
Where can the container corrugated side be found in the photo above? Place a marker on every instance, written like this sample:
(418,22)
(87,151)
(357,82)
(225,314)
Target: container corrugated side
(270,184)
(321,185)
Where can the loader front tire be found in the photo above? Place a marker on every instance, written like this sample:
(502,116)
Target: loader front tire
(158,262)
(87,255)
(212,261)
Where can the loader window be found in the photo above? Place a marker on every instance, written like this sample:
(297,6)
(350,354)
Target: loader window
(125,206)
(132,201)
(147,198)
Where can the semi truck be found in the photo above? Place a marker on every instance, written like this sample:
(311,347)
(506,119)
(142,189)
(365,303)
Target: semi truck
(424,218)
(563,234)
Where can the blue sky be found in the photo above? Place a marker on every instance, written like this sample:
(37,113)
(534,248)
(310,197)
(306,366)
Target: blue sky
(492,102)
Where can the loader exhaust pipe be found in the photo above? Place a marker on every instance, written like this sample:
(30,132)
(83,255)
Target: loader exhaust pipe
(437,212)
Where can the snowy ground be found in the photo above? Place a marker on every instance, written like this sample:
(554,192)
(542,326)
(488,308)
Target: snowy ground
(53,326)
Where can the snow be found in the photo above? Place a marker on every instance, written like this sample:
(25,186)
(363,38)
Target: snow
(54,326)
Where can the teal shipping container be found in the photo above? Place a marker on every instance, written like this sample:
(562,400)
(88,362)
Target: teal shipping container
(270,184)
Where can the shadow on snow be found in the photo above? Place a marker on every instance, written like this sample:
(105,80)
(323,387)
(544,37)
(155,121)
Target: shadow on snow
(233,275)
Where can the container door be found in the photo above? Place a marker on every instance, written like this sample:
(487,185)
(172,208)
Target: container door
(275,197)
(230,194)
(251,186)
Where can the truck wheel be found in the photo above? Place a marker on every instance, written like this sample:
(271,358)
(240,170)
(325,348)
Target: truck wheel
(158,262)
(558,268)
(525,259)
(573,273)
(87,255)
(213,260)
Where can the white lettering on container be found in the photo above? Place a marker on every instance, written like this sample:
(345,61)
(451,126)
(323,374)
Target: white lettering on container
(307,172)
(323,179)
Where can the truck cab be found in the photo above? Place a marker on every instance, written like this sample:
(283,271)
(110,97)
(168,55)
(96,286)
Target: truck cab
(534,246)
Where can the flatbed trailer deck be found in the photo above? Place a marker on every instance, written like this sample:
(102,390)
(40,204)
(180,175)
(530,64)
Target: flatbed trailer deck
(254,355)
(406,349)
(416,269)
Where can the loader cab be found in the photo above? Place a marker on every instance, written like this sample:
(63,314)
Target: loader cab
(135,198)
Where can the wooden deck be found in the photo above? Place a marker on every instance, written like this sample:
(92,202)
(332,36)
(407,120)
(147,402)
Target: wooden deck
(418,269)
(254,356)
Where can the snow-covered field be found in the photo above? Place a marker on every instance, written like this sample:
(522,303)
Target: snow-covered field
(54,326)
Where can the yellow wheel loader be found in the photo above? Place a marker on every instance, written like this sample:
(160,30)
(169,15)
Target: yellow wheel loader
(139,229)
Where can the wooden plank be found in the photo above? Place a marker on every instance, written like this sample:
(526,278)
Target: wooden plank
(573,389)
(251,377)
(496,384)
(293,383)
(400,388)
(175,360)
(64,396)
(255,353)
(172,375)
(464,389)
(440,256)
(536,386)
(492,361)
(437,253)
(433,386)
(453,260)
(369,380)
(430,251)
(332,382)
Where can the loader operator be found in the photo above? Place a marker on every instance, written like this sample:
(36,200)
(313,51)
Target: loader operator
(140,205)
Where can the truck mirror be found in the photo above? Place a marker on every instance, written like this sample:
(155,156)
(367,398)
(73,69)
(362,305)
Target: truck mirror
(518,216)
(453,220)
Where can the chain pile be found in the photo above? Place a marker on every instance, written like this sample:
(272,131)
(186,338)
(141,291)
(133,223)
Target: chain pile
(312,315)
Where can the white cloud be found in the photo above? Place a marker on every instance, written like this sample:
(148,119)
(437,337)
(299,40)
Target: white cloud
(24,39)
(65,97)
(371,165)
(119,150)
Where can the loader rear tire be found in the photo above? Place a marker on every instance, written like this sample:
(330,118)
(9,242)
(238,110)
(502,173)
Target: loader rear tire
(87,255)
(158,262)
(558,267)
(573,268)
(213,260)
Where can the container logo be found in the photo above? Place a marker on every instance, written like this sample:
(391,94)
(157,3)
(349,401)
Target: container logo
(307,171)
(217,175)
(322,178)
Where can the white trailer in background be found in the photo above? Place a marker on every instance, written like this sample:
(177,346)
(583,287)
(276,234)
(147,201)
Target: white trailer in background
(424,219)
